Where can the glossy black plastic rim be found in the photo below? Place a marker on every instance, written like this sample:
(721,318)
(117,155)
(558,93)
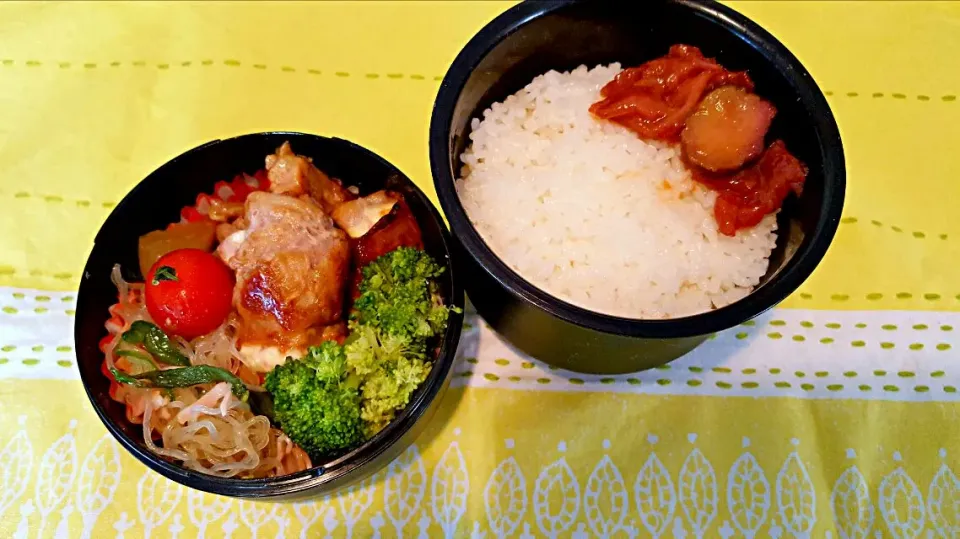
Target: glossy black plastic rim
(806,259)
(355,460)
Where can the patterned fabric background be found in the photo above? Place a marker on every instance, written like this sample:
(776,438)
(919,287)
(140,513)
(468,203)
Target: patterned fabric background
(834,415)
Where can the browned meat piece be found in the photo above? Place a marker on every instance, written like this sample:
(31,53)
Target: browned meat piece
(727,129)
(397,229)
(357,217)
(335,332)
(224,230)
(291,264)
(223,212)
(291,174)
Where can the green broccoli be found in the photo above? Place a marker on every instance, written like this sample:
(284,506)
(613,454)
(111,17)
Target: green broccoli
(335,396)
(391,368)
(398,295)
(398,311)
(316,402)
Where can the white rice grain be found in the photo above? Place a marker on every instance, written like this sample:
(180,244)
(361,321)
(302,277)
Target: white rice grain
(588,212)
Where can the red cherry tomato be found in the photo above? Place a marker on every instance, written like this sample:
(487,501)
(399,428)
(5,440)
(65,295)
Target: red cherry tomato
(189,292)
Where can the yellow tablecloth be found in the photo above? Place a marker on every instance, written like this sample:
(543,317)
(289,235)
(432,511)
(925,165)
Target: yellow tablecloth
(833,416)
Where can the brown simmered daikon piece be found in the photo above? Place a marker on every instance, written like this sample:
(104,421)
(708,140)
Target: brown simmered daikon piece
(153,245)
(727,129)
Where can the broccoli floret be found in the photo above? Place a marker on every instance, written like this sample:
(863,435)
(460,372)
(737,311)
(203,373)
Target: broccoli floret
(398,296)
(397,312)
(316,402)
(391,368)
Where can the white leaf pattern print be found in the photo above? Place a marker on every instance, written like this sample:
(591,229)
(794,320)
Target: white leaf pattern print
(655,496)
(796,498)
(355,501)
(58,469)
(281,516)
(910,503)
(63,528)
(204,509)
(16,463)
(852,507)
(556,498)
(404,488)
(157,498)
(98,481)
(698,492)
(605,498)
(309,513)
(229,526)
(748,495)
(122,524)
(449,489)
(943,503)
(23,527)
(175,527)
(376,523)
(901,505)
(256,514)
(505,498)
(423,525)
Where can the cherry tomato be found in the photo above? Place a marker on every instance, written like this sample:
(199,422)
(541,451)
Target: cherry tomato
(189,292)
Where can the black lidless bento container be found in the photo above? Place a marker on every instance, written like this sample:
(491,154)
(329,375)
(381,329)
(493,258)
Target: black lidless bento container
(157,201)
(535,37)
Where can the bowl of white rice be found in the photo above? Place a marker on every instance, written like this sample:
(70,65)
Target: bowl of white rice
(587,246)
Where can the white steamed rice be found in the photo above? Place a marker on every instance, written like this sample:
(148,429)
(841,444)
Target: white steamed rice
(588,212)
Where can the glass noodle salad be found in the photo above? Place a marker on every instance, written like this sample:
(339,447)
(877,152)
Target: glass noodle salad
(284,320)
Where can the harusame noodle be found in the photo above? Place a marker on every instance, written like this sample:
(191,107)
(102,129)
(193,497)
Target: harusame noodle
(209,430)
(219,435)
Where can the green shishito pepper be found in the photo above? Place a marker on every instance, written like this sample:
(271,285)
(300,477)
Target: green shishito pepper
(138,358)
(183,377)
(156,342)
